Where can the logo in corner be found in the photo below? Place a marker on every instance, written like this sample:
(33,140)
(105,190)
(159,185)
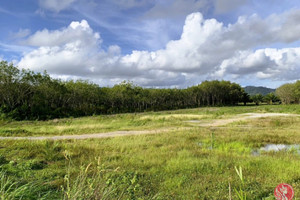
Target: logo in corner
(284,191)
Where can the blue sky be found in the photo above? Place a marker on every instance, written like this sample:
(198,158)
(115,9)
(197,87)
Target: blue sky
(155,43)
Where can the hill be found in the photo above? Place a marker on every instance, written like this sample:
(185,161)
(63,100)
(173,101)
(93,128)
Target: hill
(252,90)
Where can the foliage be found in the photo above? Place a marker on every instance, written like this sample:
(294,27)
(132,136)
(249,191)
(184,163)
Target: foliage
(271,98)
(240,191)
(289,93)
(11,189)
(85,185)
(257,99)
(28,95)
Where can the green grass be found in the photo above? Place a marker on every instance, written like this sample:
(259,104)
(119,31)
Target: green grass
(179,164)
(137,121)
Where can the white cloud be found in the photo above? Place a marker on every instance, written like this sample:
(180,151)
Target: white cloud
(76,51)
(79,32)
(55,5)
(65,51)
(206,49)
(269,63)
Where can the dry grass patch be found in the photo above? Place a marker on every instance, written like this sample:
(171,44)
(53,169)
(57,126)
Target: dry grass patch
(173,116)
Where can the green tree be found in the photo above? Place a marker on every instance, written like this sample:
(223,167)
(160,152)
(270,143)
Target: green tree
(286,93)
(271,98)
(257,99)
(28,95)
(296,91)
(245,98)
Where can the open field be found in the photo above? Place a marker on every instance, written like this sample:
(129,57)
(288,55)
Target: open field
(138,121)
(185,161)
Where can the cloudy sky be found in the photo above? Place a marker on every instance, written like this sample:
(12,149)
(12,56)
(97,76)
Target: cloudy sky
(155,43)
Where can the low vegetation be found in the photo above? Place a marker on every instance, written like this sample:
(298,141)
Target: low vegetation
(139,121)
(199,163)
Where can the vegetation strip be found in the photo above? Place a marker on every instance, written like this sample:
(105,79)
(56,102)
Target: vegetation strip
(214,123)
(245,116)
(28,95)
(91,136)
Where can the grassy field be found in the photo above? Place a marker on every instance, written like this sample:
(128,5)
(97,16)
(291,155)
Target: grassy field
(198,163)
(138,121)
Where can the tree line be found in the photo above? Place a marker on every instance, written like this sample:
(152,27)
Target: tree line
(25,94)
(289,92)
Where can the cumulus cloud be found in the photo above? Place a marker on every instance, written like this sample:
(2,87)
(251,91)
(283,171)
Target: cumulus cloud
(269,63)
(66,51)
(76,31)
(55,5)
(205,44)
(206,49)
(76,51)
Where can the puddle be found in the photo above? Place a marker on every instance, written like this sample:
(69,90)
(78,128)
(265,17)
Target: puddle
(276,148)
(280,147)
(193,121)
(202,145)
(266,148)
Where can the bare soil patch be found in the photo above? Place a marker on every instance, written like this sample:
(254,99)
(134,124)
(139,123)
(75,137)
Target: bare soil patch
(93,135)
(243,117)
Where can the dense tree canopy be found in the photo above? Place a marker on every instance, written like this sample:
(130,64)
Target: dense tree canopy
(289,92)
(28,95)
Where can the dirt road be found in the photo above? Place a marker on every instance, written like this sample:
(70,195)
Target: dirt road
(94,135)
(243,117)
(213,123)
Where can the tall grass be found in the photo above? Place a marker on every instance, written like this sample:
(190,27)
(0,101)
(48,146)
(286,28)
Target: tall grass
(12,189)
(92,182)
(240,191)
(179,164)
(86,184)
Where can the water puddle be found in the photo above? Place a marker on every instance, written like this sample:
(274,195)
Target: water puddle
(277,148)
(280,147)
(205,146)
(193,121)
(295,148)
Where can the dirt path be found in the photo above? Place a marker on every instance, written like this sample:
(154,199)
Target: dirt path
(243,117)
(214,123)
(94,135)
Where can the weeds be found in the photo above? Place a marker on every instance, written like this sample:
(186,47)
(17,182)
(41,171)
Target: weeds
(11,189)
(240,191)
(171,165)
(86,185)
(141,121)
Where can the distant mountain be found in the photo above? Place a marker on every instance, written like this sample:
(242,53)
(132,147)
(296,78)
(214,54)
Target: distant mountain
(252,90)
